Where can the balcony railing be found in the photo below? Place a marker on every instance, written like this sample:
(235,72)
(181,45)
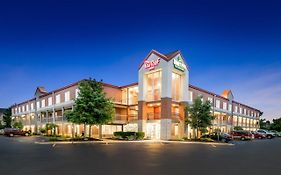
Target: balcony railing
(153,116)
(133,117)
(175,116)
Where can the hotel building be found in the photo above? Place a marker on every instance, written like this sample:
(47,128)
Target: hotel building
(154,105)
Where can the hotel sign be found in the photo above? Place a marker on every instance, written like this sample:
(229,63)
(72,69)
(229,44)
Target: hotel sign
(179,64)
(150,65)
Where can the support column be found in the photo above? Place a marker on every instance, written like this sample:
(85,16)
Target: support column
(142,116)
(166,118)
(62,124)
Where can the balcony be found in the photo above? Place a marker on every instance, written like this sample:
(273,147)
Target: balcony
(132,117)
(175,116)
(153,116)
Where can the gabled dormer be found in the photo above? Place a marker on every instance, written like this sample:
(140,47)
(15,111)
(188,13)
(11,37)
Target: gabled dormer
(227,93)
(40,91)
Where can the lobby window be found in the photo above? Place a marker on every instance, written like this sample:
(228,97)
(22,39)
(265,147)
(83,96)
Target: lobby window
(58,99)
(218,103)
(50,101)
(43,102)
(133,95)
(67,96)
(153,86)
(176,86)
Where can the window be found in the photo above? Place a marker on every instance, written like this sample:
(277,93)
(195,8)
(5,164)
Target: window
(236,109)
(210,99)
(240,110)
(50,101)
(245,111)
(224,106)
(191,95)
(27,107)
(23,108)
(218,103)
(153,89)
(76,93)
(229,107)
(176,86)
(67,96)
(38,104)
(43,102)
(32,106)
(58,99)
(19,109)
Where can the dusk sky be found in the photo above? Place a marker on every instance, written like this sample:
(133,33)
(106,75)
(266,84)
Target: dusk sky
(227,44)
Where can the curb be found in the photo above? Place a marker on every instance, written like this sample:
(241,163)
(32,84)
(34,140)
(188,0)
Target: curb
(120,142)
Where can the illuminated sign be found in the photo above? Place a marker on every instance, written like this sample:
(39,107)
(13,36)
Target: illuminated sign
(150,65)
(179,64)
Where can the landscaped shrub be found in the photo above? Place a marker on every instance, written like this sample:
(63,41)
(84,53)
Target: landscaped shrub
(140,135)
(129,135)
(206,140)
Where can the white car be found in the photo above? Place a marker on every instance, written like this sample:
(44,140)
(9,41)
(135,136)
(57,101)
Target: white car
(268,134)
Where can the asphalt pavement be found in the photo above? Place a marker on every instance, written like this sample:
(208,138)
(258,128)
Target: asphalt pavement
(21,156)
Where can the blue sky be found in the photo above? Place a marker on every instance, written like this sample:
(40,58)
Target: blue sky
(227,44)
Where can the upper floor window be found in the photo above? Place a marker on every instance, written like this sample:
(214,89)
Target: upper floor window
(27,107)
(240,110)
(218,103)
(224,106)
(43,102)
(66,96)
(191,95)
(236,109)
(245,111)
(210,99)
(38,104)
(19,109)
(50,101)
(176,86)
(32,106)
(58,99)
(153,86)
(230,107)
(77,93)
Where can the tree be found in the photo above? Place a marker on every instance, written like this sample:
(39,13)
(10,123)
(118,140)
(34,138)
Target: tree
(7,118)
(238,128)
(199,116)
(92,107)
(263,124)
(18,125)
(276,125)
(51,127)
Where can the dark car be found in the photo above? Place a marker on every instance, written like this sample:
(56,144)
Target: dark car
(258,135)
(223,137)
(242,135)
(14,131)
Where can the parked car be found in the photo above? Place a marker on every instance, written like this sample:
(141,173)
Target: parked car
(14,131)
(276,133)
(258,135)
(268,134)
(223,137)
(242,135)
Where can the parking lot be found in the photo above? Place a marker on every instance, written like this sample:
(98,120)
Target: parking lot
(19,155)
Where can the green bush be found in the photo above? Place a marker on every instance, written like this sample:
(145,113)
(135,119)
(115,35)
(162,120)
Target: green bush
(129,135)
(206,140)
(140,135)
